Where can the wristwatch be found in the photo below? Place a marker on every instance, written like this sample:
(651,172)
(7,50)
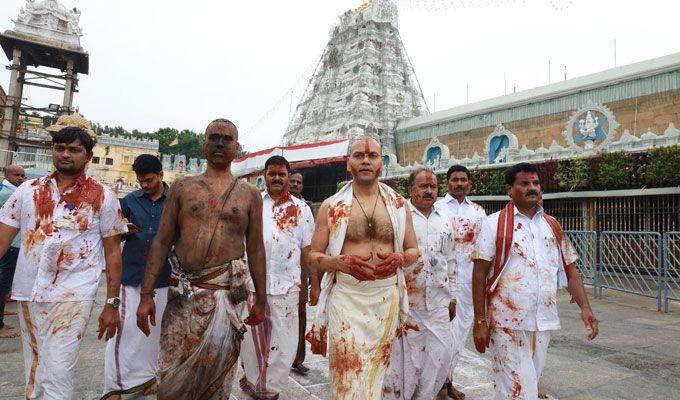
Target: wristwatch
(113,301)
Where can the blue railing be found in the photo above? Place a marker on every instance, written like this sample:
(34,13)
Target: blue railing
(641,263)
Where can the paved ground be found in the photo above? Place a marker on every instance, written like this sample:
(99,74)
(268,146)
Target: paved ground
(637,356)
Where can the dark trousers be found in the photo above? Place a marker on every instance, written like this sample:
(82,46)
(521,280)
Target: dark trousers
(8,264)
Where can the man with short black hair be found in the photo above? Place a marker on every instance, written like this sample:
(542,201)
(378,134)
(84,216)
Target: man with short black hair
(131,359)
(466,219)
(71,226)
(421,357)
(287,228)
(296,181)
(516,306)
(14,177)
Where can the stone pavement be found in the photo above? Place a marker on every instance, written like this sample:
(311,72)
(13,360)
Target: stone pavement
(637,356)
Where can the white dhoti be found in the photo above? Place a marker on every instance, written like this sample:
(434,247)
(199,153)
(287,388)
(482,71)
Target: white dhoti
(131,358)
(268,349)
(518,358)
(51,335)
(420,359)
(460,326)
(362,322)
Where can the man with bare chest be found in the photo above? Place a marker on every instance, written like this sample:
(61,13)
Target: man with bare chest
(219,220)
(363,237)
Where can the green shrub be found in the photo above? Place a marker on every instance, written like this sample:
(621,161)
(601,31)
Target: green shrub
(572,174)
(614,170)
(663,166)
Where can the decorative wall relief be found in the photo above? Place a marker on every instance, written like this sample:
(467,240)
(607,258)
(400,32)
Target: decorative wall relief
(593,126)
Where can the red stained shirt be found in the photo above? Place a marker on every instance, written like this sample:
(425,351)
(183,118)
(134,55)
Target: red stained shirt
(61,257)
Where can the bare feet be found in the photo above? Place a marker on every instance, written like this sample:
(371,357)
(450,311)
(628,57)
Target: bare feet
(8,332)
(151,390)
(300,368)
(542,394)
(455,393)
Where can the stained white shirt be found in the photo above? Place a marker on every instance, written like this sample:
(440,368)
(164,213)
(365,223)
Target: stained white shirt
(526,295)
(286,228)
(431,281)
(466,221)
(62,255)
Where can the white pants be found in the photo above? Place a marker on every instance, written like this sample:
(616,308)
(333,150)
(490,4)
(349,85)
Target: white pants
(420,359)
(268,349)
(131,358)
(460,326)
(518,358)
(51,335)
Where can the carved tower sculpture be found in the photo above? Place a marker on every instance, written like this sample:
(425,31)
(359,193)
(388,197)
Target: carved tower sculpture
(363,84)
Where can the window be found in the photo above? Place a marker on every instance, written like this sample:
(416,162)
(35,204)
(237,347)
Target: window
(95,160)
(109,161)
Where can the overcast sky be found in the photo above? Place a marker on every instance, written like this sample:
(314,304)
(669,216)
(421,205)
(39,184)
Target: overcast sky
(181,64)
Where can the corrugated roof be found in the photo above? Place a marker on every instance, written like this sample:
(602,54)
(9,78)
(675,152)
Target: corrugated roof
(608,77)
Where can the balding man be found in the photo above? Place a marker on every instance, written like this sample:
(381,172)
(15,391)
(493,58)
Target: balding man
(219,220)
(364,236)
(14,177)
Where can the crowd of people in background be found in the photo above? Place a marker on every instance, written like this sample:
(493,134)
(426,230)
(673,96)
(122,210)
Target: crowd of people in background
(214,273)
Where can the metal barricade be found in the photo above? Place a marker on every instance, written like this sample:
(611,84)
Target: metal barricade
(585,244)
(631,262)
(671,267)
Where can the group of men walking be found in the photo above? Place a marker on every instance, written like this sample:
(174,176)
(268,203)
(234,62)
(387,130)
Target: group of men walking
(214,271)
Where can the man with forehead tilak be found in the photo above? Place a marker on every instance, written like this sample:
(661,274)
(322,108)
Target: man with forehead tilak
(218,219)
(421,356)
(364,236)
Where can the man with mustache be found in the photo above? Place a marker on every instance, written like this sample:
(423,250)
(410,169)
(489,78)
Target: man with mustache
(287,225)
(466,219)
(364,237)
(421,356)
(515,305)
(296,185)
(218,219)
(70,226)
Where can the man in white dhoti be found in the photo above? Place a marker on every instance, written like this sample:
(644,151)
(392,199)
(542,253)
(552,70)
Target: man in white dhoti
(269,348)
(131,358)
(364,236)
(421,355)
(71,227)
(466,220)
(515,303)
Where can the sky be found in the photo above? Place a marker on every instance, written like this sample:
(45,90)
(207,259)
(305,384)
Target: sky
(181,64)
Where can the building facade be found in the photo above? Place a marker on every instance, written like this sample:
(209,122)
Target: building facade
(630,108)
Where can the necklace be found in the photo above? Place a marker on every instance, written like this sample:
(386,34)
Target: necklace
(371,225)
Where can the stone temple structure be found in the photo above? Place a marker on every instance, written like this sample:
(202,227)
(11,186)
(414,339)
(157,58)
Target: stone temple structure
(363,84)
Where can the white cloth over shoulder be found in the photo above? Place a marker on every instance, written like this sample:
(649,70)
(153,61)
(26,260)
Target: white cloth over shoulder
(338,219)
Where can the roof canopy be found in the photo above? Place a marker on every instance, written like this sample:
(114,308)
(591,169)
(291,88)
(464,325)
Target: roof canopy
(298,156)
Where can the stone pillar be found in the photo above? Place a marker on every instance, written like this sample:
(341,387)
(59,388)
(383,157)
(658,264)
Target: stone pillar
(69,88)
(14,93)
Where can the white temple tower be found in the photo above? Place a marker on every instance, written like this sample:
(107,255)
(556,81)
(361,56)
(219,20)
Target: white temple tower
(363,84)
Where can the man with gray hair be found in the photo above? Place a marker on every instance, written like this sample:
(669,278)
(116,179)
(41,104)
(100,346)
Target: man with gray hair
(420,357)
(14,177)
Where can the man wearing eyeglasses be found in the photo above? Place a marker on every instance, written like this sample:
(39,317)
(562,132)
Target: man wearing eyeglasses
(131,357)
(70,226)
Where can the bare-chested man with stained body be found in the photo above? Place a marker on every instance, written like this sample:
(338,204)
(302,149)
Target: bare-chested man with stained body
(219,219)
(364,236)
